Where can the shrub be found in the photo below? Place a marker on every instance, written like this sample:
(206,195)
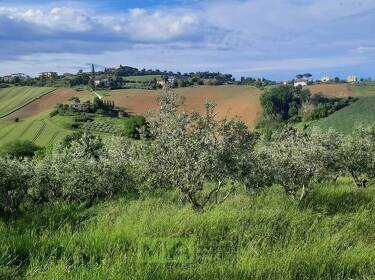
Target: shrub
(133,126)
(189,150)
(358,156)
(300,157)
(14,176)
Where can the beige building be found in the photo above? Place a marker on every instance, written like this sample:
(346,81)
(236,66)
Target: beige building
(325,79)
(352,79)
(48,75)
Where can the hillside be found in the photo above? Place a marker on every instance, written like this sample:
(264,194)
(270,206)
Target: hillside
(362,111)
(39,129)
(47,102)
(13,98)
(343,90)
(265,236)
(232,101)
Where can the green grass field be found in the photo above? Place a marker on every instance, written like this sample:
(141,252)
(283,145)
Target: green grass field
(145,78)
(15,97)
(263,236)
(362,111)
(366,88)
(41,130)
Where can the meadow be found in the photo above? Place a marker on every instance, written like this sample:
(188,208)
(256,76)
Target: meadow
(346,119)
(263,236)
(14,98)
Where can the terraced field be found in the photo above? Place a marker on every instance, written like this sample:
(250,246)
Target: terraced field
(41,130)
(14,98)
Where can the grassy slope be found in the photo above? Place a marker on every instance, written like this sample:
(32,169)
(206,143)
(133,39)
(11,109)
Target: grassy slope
(266,236)
(15,97)
(362,111)
(40,129)
(367,88)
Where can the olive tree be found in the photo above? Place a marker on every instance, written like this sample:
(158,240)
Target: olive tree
(84,171)
(185,151)
(358,156)
(14,176)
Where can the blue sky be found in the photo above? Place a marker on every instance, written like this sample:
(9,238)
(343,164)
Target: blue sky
(260,38)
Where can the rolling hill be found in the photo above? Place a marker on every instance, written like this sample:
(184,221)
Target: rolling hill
(14,98)
(362,111)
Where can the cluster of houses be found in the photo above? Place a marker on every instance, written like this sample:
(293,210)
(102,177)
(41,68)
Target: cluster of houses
(325,79)
(22,77)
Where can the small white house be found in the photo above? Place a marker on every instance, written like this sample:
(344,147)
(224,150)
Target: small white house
(325,79)
(300,82)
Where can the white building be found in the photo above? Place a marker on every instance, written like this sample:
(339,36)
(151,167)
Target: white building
(300,82)
(352,79)
(325,79)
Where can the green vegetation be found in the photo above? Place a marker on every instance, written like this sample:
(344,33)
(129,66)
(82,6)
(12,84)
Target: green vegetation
(195,198)
(19,149)
(363,88)
(266,236)
(13,98)
(145,78)
(346,119)
(40,129)
(289,104)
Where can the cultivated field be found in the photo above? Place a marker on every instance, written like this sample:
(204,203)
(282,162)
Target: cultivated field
(47,102)
(14,98)
(40,129)
(232,101)
(145,78)
(343,90)
(362,111)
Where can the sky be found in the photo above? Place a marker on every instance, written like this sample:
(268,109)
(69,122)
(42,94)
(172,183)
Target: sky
(276,39)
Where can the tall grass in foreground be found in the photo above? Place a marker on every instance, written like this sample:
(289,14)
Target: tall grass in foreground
(265,236)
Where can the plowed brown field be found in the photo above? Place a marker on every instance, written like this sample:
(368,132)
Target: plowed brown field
(334,90)
(231,101)
(46,103)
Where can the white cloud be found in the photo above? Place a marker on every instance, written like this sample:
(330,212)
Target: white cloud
(57,18)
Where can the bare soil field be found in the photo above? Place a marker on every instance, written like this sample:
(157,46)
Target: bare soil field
(334,90)
(231,101)
(46,103)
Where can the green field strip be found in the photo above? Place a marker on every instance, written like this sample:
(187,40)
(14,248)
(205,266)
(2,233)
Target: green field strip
(27,128)
(33,127)
(15,131)
(16,98)
(39,132)
(4,132)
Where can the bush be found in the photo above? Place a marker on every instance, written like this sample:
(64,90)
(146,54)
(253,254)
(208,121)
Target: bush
(358,156)
(19,149)
(14,176)
(133,126)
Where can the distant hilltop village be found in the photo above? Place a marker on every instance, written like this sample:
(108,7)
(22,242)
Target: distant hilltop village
(306,79)
(126,77)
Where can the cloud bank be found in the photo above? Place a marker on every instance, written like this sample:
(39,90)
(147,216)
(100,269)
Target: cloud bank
(255,37)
